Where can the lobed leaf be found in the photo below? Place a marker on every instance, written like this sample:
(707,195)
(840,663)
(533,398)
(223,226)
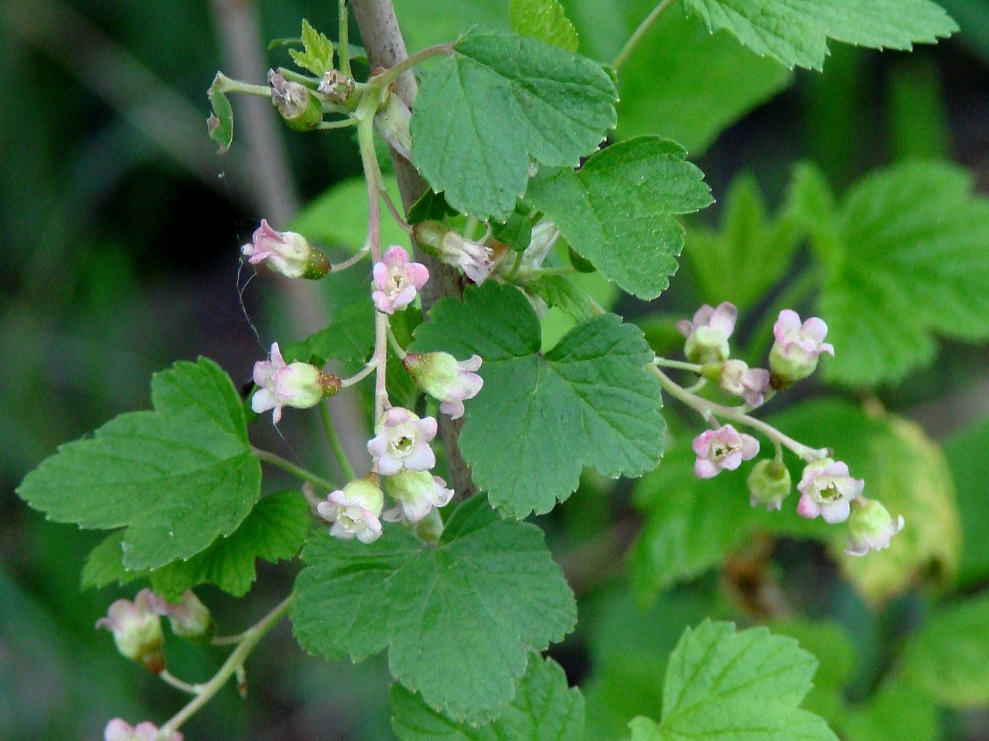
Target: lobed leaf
(275,530)
(176,478)
(541,417)
(458,619)
(317,53)
(905,259)
(544,707)
(617,210)
(733,686)
(796,32)
(498,102)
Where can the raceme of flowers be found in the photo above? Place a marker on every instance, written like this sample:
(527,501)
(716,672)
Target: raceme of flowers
(827,488)
(401,451)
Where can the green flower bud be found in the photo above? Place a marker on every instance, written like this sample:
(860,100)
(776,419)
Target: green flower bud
(769,484)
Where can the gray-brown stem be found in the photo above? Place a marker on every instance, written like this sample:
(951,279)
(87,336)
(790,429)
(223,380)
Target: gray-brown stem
(386,48)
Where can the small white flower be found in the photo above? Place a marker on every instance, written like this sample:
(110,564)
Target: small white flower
(402,441)
(354,511)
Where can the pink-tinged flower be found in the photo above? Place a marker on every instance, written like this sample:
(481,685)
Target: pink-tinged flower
(189,617)
(445,378)
(720,449)
(827,489)
(397,280)
(444,243)
(870,527)
(119,730)
(707,336)
(297,385)
(355,511)
(402,441)
(136,629)
(416,492)
(769,484)
(794,354)
(287,253)
(749,383)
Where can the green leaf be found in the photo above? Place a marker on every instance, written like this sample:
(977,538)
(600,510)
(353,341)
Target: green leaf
(498,102)
(220,124)
(177,477)
(618,210)
(544,20)
(729,685)
(742,260)
(275,530)
(558,291)
(458,619)
(317,54)
(948,658)
(905,259)
(965,451)
(544,707)
(795,32)
(684,84)
(105,564)
(897,712)
(429,207)
(541,417)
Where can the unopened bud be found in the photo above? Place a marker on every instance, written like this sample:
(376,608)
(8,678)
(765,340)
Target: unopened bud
(190,618)
(769,484)
(296,103)
(445,244)
(136,629)
(870,527)
(287,253)
(445,378)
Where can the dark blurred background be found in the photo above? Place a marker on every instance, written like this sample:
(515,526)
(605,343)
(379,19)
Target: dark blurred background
(119,236)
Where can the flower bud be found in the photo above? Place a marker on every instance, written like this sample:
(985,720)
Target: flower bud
(769,484)
(794,353)
(354,510)
(416,492)
(750,383)
(287,253)
(190,618)
(296,103)
(120,730)
(136,628)
(445,378)
(870,527)
(707,335)
(447,245)
(827,489)
(298,385)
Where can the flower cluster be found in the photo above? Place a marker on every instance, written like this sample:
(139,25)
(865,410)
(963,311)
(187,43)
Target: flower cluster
(826,486)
